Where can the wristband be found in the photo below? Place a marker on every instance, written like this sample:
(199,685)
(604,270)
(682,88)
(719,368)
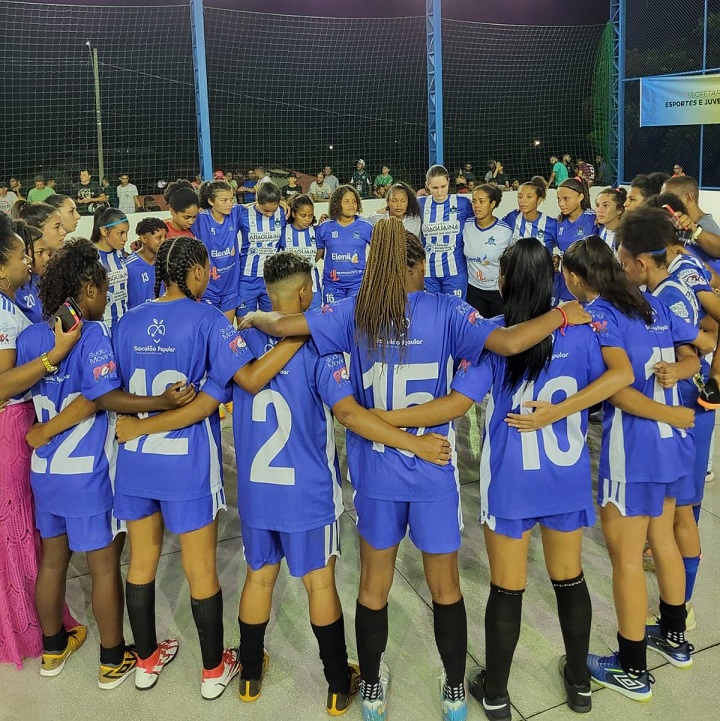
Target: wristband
(49,367)
(565,319)
(697,233)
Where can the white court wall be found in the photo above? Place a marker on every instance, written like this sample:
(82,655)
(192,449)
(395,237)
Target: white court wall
(709,202)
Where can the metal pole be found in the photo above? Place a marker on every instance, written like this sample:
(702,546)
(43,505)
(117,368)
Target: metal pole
(433,32)
(702,127)
(202,105)
(622,9)
(98,111)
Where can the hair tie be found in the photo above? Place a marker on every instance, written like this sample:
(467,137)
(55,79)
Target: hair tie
(115,222)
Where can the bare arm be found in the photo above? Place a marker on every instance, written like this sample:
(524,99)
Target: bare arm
(686,366)
(130,427)
(281,325)
(258,373)
(520,337)
(433,413)
(178,394)
(619,374)
(637,404)
(42,433)
(430,447)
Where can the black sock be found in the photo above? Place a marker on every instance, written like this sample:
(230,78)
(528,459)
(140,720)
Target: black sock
(632,655)
(672,621)
(140,600)
(333,654)
(252,648)
(113,656)
(502,630)
(450,622)
(575,615)
(208,615)
(371,629)
(57,642)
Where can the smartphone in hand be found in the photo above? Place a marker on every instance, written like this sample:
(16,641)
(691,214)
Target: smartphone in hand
(69,315)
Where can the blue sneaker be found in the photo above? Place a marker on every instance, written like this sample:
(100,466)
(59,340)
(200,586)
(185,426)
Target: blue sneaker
(453,708)
(679,654)
(607,671)
(375,709)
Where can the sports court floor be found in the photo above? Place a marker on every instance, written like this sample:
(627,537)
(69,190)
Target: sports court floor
(294,687)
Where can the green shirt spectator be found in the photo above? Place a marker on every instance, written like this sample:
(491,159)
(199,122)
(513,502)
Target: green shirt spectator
(382,182)
(40,193)
(559,173)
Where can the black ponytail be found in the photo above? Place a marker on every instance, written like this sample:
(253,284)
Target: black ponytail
(104,217)
(581,187)
(175,258)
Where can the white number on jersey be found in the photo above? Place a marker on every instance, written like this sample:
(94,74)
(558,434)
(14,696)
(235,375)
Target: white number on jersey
(667,355)
(260,470)
(62,463)
(157,443)
(530,442)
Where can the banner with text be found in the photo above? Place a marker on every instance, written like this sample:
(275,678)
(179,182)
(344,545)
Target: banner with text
(680,100)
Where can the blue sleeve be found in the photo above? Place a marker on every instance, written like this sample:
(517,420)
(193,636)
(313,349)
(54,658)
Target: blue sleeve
(596,363)
(227,352)
(605,325)
(474,381)
(331,326)
(465,210)
(678,304)
(682,331)
(320,236)
(196,228)
(697,280)
(332,379)
(97,364)
(510,218)
(469,329)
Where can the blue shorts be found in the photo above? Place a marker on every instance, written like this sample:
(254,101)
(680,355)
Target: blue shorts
(179,516)
(252,295)
(83,534)
(434,526)
(565,522)
(332,292)
(225,302)
(702,433)
(304,552)
(451,284)
(639,499)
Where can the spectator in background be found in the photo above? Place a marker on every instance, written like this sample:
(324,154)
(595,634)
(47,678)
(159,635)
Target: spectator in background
(319,189)
(678,171)
(50,182)
(88,195)
(587,171)
(498,177)
(16,187)
(567,162)
(467,173)
(515,185)
(360,180)
(110,191)
(330,179)
(292,188)
(559,172)
(471,186)
(382,182)
(197,182)
(7,198)
(250,182)
(230,179)
(127,195)
(602,171)
(461,185)
(150,205)
(491,170)
(40,193)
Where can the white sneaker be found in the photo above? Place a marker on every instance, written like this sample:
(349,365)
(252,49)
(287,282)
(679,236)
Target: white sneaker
(147,671)
(376,710)
(216,681)
(710,476)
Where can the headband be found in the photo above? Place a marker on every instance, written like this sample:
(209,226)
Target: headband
(115,222)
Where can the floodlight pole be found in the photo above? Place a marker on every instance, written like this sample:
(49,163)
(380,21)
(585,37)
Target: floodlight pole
(202,105)
(433,33)
(98,109)
(617,89)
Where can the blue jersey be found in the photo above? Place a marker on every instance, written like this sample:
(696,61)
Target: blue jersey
(287,467)
(141,280)
(27,299)
(158,344)
(220,239)
(12,323)
(483,248)
(259,237)
(567,233)
(442,225)
(681,300)
(689,270)
(71,475)
(547,472)
(345,249)
(544,228)
(607,235)
(634,449)
(117,294)
(303,243)
(441,331)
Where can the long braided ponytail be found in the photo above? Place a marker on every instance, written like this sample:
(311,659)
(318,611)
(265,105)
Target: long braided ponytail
(175,258)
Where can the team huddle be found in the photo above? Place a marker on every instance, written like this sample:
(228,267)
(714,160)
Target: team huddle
(119,379)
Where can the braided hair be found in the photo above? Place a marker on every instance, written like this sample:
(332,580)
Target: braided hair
(175,259)
(77,262)
(381,303)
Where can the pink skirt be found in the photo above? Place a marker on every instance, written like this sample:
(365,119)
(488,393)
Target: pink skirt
(20,634)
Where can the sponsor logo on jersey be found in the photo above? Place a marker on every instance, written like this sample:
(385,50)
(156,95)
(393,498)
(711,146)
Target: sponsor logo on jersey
(464,365)
(599,326)
(4,338)
(326,309)
(156,330)
(474,317)
(680,310)
(226,253)
(345,257)
(341,375)
(237,344)
(99,356)
(105,370)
